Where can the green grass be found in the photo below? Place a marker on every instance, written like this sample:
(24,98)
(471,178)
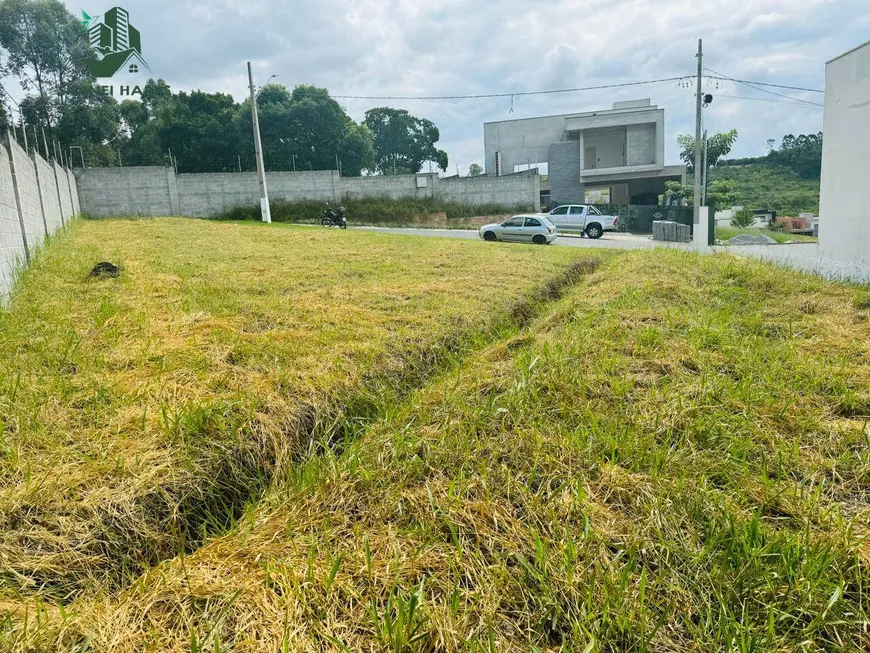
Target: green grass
(763,186)
(657,451)
(140,414)
(726,233)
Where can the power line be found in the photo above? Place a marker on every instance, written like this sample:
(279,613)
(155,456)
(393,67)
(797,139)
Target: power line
(499,95)
(759,99)
(477,96)
(791,88)
(764,90)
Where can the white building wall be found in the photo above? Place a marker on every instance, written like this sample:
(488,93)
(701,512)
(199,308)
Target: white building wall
(844,214)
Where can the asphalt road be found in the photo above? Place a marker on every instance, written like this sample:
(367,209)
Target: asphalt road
(806,257)
(613,241)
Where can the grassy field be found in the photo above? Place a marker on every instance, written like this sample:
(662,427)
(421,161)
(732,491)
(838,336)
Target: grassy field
(725,233)
(655,451)
(143,413)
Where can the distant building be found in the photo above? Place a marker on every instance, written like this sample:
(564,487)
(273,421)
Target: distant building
(619,152)
(844,213)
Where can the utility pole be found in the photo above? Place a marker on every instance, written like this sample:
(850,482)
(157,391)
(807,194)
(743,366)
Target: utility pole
(294,162)
(704,181)
(240,162)
(258,150)
(698,108)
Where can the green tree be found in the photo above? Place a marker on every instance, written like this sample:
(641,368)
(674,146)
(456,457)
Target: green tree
(802,154)
(475,170)
(90,119)
(675,193)
(718,146)
(402,142)
(47,51)
(721,194)
(306,124)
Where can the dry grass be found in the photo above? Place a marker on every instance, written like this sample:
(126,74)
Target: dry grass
(140,414)
(672,457)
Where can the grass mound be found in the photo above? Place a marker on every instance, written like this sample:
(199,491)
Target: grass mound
(673,456)
(142,413)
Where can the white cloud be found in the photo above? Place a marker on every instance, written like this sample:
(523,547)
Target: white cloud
(408,47)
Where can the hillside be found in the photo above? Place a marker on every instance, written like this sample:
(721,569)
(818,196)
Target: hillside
(767,186)
(363,442)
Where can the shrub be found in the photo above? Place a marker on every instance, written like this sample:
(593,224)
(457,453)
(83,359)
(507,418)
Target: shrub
(372,210)
(743,218)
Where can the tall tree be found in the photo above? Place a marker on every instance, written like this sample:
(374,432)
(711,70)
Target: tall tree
(47,50)
(90,119)
(307,125)
(475,170)
(402,142)
(802,154)
(718,146)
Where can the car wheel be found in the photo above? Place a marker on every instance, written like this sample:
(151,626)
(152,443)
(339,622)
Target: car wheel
(594,231)
(490,236)
(539,240)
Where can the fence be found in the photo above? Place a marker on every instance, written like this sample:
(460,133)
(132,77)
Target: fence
(638,219)
(158,191)
(37,197)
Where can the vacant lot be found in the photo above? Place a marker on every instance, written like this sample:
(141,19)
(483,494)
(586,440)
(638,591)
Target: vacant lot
(141,413)
(668,453)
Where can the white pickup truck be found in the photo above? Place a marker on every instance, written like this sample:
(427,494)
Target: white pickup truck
(582,218)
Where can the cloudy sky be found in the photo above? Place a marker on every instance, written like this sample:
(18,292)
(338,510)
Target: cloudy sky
(459,47)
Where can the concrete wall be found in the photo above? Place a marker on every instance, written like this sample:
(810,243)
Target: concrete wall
(106,192)
(74,193)
(844,213)
(608,146)
(24,172)
(63,192)
(34,201)
(12,251)
(565,186)
(641,144)
(48,194)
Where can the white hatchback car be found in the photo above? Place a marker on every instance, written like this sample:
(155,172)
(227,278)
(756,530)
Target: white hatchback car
(535,229)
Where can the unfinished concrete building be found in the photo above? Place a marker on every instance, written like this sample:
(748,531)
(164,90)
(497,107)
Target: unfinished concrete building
(620,150)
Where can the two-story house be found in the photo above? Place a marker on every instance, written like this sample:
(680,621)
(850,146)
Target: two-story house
(621,150)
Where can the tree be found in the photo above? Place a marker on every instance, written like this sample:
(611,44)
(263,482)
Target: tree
(47,50)
(721,193)
(802,154)
(309,125)
(676,193)
(402,142)
(718,146)
(90,119)
(475,170)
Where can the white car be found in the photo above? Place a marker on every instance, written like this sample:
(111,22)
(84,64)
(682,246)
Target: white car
(535,229)
(582,218)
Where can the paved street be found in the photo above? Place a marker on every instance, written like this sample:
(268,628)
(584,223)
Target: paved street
(806,257)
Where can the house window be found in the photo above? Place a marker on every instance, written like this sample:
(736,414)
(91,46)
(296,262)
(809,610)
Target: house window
(134,68)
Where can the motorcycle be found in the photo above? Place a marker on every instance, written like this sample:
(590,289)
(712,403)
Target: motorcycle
(334,217)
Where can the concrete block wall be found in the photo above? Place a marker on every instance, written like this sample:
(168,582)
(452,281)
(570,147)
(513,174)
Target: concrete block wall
(12,251)
(106,192)
(511,190)
(565,186)
(36,200)
(51,211)
(74,193)
(29,202)
(63,192)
